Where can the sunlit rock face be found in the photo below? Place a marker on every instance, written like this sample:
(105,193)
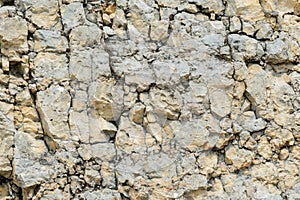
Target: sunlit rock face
(149,99)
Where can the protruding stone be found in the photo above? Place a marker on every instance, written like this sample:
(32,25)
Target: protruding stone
(72,15)
(53,105)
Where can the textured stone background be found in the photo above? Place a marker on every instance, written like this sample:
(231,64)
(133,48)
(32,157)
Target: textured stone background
(149,99)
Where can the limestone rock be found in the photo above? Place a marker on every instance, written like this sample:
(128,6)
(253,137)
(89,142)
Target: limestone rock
(168,102)
(199,134)
(239,158)
(250,123)
(277,51)
(43,14)
(149,99)
(28,171)
(108,175)
(257,95)
(53,105)
(264,148)
(103,151)
(7,141)
(92,177)
(85,152)
(250,10)
(137,113)
(235,24)
(24,98)
(159,30)
(168,3)
(49,41)
(220,97)
(72,15)
(50,67)
(244,47)
(98,195)
(267,172)
(85,36)
(216,7)
(107,99)
(13,34)
(130,137)
(89,65)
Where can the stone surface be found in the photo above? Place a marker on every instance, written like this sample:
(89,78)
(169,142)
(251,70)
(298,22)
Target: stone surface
(53,105)
(13,34)
(149,99)
(72,15)
(50,41)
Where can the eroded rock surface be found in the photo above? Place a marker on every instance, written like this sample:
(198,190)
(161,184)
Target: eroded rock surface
(149,99)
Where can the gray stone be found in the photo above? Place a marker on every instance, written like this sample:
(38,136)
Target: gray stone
(235,24)
(7,141)
(72,16)
(53,106)
(28,171)
(104,151)
(245,47)
(49,68)
(277,51)
(89,65)
(85,36)
(50,41)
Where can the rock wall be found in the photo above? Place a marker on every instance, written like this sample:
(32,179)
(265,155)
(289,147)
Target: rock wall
(149,99)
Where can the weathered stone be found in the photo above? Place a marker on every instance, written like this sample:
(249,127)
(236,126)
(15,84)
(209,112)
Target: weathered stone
(257,94)
(108,175)
(264,148)
(137,113)
(92,177)
(208,162)
(244,47)
(98,195)
(168,3)
(103,151)
(107,99)
(277,51)
(249,122)
(265,32)
(149,99)
(130,137)
(28,171)
(168,103)
(159,30)
(250,10)
(24,98)
(7,141)
(85,36)
(220,97)
(13,34)
(85,152)
(235,24)
(50,67)
(199,134)
(89,65)
(53,106)
(239,158)
(43,14)
(216,7)
(72,16)
(267,172)
(50,41)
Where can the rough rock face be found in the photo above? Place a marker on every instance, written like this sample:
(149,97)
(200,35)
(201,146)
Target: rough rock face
(149,99)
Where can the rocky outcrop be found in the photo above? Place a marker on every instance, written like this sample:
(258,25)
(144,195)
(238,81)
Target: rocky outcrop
(149,99)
